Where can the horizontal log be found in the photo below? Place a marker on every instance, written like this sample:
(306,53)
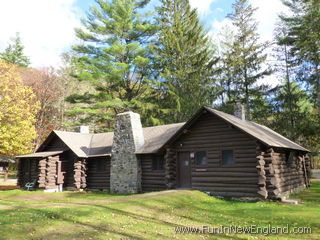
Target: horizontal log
(227,179)
(215,144)
(153,182)
(152,178)
(226,188)
(263,192)
(233,168)
(222,174)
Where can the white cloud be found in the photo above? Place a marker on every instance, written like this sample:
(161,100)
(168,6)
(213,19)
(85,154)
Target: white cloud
(218,26)
(219,10)
(203,6)
(267,16)
(46,27)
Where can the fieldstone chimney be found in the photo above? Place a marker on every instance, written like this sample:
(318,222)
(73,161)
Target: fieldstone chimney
(239,110)
(125,172)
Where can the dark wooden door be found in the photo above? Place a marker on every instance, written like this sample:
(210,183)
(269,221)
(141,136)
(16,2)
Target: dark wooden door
(184,168)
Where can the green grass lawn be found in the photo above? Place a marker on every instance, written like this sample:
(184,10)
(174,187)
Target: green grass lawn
(81,215)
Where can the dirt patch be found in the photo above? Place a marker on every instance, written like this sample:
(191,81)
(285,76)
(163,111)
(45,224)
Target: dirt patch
(36,198)
(39,196)
(9,182)
(315,180)
(2,187)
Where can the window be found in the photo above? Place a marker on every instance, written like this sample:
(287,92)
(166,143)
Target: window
(101,166)
(157,163)
(227,157)
(201,158)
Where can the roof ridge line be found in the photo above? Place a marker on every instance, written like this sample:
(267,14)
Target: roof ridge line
(90,144)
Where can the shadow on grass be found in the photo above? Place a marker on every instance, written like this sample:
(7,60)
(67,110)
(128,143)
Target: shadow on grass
(194,207)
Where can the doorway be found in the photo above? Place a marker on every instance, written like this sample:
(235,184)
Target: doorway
(184,170)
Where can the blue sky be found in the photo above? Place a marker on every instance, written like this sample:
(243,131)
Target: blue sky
(217,10)
(47,26)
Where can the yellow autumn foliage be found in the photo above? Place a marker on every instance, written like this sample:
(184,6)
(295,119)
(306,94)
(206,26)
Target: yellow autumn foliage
(18,109)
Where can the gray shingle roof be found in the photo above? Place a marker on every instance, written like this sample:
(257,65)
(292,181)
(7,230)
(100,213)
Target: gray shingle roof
(40,154)
(155,137)
(79,143)
(260,132)
(6,160)
(100,144)
(90,145)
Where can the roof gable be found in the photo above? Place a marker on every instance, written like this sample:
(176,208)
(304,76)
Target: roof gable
(78,143)
(257,131)
(158,137)
(260,132)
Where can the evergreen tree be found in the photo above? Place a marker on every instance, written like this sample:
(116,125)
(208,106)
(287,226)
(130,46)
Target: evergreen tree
(285,70)
(292,110)
(302,39)
(116,59)
(14,53)
(226,78)
(304,34)
(186,60)
(247,55)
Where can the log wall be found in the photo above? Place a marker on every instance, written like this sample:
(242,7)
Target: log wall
(262,169)
(42,172)
(51,173)
(80,176)
(97,179)
(151,180)
(68,159)
(170,168)
(213,135)
(284,177)
(32,173)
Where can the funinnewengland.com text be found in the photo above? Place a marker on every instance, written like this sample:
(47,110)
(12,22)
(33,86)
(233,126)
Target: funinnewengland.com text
(252,229)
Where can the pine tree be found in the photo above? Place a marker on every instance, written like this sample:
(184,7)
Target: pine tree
(186,60)
(14,53)
(116,59)
(292,109)
(248,55)
(304,34)
(226,78)
(285,70)
(302,41)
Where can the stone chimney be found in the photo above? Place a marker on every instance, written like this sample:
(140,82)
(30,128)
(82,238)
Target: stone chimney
(84,129)
(125,172)
(239,110)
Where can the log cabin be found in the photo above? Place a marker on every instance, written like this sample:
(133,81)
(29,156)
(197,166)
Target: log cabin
(215,152)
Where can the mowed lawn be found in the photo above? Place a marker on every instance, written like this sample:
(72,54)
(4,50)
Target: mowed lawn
(81,215)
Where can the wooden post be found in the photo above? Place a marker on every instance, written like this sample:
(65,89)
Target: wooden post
(51,172)
(83,173)
(170,168)
(6,171)
(80,174)
(42,172)
(305,171)
(261,172)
